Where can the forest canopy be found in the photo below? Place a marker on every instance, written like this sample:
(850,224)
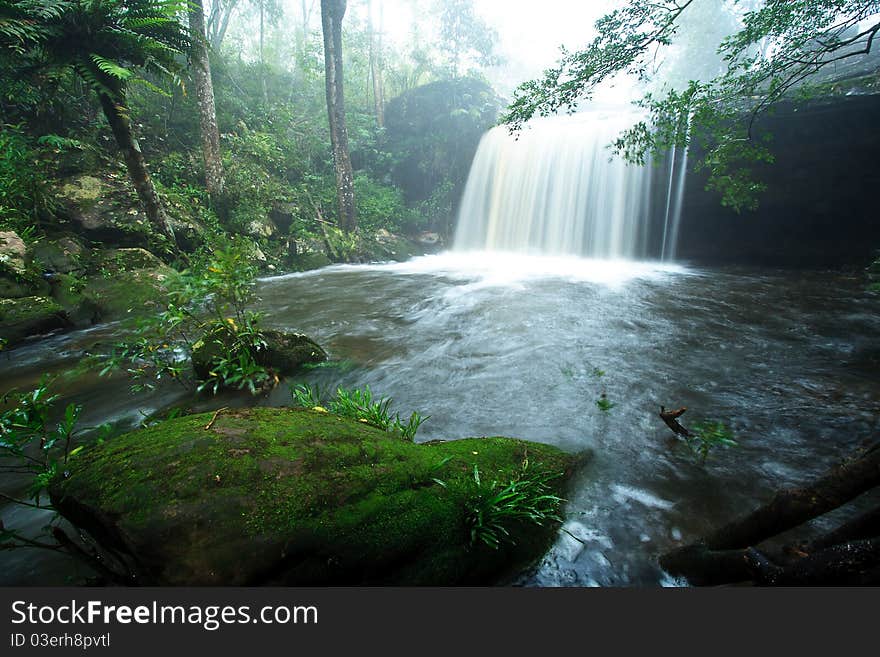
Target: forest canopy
(776,49)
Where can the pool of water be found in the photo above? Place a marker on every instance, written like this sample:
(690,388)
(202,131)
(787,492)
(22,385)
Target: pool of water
(488,344)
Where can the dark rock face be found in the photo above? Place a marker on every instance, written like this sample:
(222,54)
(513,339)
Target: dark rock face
(278,496)
(24,317)
(434,131)
(819,209)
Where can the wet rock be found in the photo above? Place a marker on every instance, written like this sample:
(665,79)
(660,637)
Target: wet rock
(17,278)
(268,496)
(285,353)
(29,316)
(125,282)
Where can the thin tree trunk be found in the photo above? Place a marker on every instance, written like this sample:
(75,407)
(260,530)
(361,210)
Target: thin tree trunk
(214,178)
(332,12)
(376,66)
(262,59)
(117,117)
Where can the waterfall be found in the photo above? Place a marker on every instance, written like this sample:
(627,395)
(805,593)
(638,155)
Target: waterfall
(557,189)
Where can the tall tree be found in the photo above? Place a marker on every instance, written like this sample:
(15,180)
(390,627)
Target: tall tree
(105,42)
(218,20)
(376,61)
(332,12)
(464,36)
(201,68)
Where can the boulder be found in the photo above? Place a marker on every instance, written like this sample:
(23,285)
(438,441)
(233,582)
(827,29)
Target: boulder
(271,496)
(104,209)
(285,352)
(13,252)
(117,292)
(17,279)
(62,255)
(283,215)
(28,316)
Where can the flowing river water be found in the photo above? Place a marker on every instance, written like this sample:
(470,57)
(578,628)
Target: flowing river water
(493,344)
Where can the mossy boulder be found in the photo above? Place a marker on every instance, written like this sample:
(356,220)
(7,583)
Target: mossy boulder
(103,208)
(294,497)
(125,283)
(285,352)
(61,255)
(27,316)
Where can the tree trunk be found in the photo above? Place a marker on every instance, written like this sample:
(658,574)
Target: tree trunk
(117,117)
(332,12)
(376,64)
(790,508)
(262,58)
(214,179)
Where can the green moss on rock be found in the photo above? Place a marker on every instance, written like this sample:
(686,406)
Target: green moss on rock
(280,496)
(27,316)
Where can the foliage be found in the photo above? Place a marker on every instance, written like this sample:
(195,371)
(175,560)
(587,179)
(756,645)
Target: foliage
(22,180)
(29,443)
(103,41)
(874,275)
(495,507)
(381,206)
(706,436)
(604,404)
(465,38)
(358,404)
(781,48)
(209,302)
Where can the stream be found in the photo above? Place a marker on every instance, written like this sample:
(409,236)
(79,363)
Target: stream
(495,344)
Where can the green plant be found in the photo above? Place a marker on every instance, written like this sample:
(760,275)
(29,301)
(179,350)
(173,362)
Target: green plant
(705,436)
(207,304)
(29,443)
(494,509)
(358,404)
(604,404)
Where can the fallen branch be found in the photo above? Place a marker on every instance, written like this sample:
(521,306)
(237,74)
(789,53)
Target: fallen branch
(671,420)
(214,417)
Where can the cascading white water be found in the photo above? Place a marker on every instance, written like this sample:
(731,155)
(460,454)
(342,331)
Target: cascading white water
(557,189)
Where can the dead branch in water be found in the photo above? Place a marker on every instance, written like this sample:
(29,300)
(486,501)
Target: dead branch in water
(671,420)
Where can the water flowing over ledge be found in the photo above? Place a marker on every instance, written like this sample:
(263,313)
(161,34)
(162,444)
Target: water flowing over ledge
(558,189)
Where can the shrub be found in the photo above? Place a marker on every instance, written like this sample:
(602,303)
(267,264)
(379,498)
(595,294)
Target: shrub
(495,508)
(358,405)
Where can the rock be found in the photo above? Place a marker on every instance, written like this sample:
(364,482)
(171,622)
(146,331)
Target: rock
(288,352)
(63,255)
(270,496)
(28,316)
(13,252)
(282,215)
(125,259)
(103,209)
(285,352)
(17,279)
(127,282)
(260,228)
(67,291)
(428,238)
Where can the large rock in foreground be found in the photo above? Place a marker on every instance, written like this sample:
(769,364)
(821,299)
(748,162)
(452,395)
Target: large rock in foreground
(279,496)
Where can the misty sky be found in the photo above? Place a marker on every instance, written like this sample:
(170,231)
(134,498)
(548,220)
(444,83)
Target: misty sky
(530,32)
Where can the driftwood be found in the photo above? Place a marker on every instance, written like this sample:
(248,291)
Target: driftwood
(671,420)
(848,555)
